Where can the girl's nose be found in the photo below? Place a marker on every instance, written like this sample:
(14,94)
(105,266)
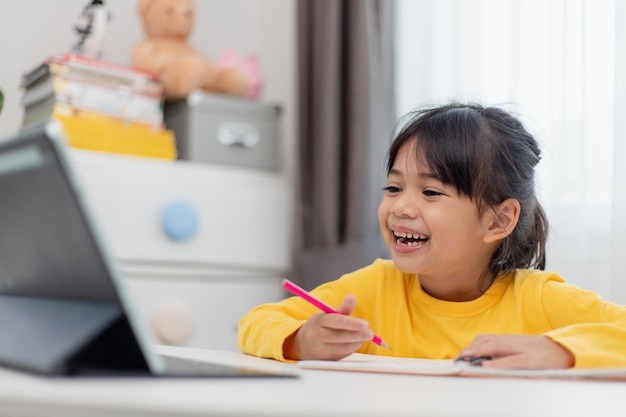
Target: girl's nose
(404,206)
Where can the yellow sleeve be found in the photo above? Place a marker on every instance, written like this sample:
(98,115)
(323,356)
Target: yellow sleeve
(593,329)
(263,330)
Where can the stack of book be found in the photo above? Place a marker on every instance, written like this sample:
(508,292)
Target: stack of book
(102,106)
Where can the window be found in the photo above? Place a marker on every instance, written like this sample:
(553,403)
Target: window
(552,63)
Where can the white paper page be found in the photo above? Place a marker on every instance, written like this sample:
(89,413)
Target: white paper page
(358,362)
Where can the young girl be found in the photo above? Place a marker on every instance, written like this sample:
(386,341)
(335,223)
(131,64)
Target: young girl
(467,238)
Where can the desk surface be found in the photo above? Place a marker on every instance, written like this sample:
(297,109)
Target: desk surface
(314,393)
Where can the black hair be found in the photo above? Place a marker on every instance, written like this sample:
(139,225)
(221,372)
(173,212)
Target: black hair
(488,156)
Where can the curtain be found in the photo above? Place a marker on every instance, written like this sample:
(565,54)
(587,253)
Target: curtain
(618,218)
(559,65)
(346,117)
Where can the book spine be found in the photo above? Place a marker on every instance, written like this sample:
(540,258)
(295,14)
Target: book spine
(37,93)
(87,116)
(118,103)
(109,135)
(33,76)
(140,85)
(79,60)
(152,91)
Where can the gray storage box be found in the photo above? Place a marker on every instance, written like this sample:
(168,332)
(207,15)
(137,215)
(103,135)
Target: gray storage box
(225,130)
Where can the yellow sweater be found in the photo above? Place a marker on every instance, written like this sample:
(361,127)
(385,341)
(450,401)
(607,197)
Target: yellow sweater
(417,325)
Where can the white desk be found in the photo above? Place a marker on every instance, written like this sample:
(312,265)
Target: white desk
(314,393)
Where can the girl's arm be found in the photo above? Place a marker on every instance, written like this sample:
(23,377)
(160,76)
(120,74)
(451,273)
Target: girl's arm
(587,332)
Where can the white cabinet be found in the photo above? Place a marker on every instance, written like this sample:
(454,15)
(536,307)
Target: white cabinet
(199,244)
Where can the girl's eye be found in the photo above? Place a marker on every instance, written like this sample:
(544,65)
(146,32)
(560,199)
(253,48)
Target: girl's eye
(432,193)
(391,189)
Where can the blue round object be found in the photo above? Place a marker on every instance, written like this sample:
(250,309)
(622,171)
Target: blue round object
(180,221)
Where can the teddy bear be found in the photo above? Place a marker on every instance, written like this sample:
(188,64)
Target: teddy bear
(181,68)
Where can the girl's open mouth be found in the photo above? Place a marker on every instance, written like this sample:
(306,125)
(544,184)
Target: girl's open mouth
(408,239)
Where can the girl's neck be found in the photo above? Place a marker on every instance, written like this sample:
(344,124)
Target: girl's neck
(456,289)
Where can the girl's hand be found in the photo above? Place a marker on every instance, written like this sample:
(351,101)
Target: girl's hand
(520,352)
(329,336)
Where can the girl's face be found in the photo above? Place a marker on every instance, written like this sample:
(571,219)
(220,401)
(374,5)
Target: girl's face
(433,231)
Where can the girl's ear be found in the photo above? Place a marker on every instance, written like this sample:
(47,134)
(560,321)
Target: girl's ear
(504,218)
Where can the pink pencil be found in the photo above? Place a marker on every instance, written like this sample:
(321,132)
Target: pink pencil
(301,292)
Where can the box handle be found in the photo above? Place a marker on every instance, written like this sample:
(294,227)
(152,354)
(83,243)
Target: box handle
(244,135)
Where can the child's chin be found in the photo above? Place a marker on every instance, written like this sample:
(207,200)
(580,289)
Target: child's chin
(404,263)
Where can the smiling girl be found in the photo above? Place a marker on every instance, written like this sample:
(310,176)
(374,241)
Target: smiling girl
(467,240)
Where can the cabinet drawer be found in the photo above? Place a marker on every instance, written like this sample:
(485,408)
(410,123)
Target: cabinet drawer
(241,218)
(200,313)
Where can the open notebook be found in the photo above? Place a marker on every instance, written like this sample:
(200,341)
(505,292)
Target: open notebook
(358,362)
(65,308)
